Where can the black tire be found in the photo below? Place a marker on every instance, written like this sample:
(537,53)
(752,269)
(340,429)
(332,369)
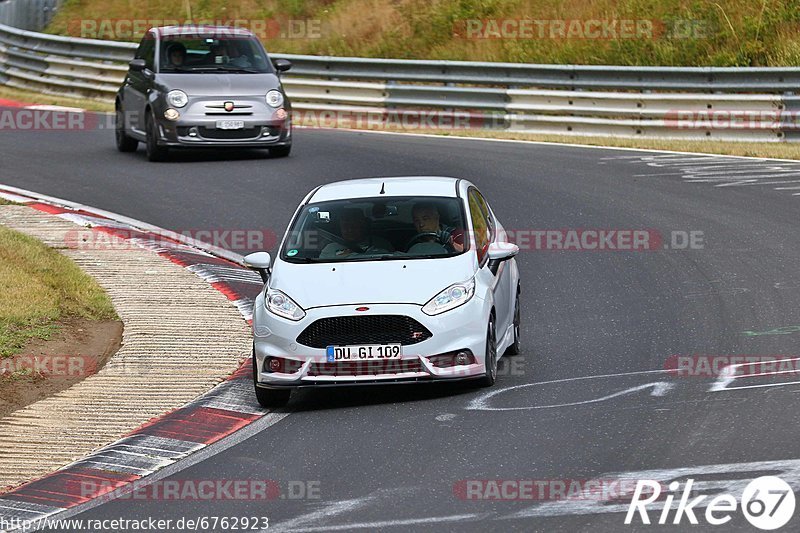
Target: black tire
(155,152)
(281,151)
(124,142)
(269,397)
(491,356)
(515,346)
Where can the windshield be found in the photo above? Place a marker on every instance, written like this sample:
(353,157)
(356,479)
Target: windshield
(197,54)
(377,229)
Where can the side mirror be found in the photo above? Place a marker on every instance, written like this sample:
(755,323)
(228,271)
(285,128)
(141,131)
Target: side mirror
(502,251)
(137,65)
(499,252)
(282,65)
(260,262)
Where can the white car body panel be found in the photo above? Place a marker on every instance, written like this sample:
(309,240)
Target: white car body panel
(389,287)
(361,283)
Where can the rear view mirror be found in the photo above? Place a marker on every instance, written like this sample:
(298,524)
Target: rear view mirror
(282,65)
(137,65)
(501,251)
(260,262)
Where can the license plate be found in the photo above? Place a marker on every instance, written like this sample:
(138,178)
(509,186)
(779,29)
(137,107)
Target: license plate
(230,124)
(364,352)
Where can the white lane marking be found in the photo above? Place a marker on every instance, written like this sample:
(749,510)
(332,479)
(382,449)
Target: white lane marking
(481,403)
(728,375)
(445,417)
(393,523)
(733,291)
(47,107)
(720,171)
(704,482)
(779,182)
(323,514)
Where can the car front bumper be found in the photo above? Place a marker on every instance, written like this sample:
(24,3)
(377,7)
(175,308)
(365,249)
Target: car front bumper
(460,329)
(197,124)
(204,133)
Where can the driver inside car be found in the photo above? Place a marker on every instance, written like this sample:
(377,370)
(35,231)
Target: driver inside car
(426,220)
(176,55)
(353,227)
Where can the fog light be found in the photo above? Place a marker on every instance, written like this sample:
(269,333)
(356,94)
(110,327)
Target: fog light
(445,360)
(462,358)
(193,132)
(172,114)
(274,365)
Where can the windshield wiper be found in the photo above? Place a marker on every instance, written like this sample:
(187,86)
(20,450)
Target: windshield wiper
(429,256)
(239,69)
(179,68)
(218,68)
(383,257)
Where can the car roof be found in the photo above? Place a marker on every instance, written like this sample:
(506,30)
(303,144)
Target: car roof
(394,186)
(202,29)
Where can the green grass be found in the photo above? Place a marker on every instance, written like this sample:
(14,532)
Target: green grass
(685,32)
(24,96)
(38,288)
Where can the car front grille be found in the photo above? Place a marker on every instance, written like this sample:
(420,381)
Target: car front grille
(365,368)
(375,329)
(213,133)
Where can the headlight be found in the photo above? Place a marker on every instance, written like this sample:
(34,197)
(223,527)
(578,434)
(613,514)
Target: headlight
(450,298)
(177,98)
(281,305)
(275,98)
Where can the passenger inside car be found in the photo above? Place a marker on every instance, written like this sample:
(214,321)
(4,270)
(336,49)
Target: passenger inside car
(355,231)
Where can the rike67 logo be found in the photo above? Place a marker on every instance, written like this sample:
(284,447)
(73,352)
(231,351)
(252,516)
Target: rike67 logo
(767,503)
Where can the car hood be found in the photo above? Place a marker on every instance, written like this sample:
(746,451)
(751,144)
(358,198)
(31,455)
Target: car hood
(221,85)
(370,282)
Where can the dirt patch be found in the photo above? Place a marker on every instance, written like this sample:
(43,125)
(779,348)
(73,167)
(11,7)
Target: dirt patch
(78,349)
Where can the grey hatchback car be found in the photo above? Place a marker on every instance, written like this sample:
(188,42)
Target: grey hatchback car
(203,86)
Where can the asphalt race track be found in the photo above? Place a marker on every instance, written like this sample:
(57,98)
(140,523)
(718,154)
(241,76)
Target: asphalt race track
(588,397)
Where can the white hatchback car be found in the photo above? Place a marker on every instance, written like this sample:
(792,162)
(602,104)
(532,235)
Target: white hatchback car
(385,280)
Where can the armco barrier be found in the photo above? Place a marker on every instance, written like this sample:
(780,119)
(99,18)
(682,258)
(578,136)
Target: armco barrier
(27,14)
(741,104)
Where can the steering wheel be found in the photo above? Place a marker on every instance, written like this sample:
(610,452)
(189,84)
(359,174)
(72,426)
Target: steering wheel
(420,236)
